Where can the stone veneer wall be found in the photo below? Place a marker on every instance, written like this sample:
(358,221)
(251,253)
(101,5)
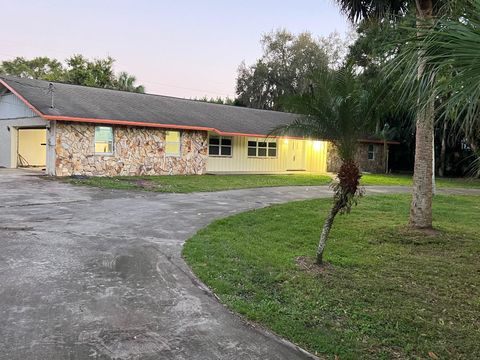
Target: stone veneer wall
(137,151)
(361,158)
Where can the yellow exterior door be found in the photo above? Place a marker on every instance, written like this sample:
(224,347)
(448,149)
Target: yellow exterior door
(296,155)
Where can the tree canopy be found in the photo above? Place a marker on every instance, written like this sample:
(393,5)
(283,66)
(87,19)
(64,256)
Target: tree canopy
(75,70)
(285,67)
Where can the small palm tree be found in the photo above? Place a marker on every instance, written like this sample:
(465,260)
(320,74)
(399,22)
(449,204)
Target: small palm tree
(126,82)
(335,109)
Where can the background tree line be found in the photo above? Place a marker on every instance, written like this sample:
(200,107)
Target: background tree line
(75,70)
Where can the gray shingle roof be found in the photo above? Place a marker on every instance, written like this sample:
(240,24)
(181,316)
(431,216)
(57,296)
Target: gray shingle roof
(96,103)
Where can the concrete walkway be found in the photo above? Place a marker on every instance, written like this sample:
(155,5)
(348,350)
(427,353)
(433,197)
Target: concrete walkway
(97,274)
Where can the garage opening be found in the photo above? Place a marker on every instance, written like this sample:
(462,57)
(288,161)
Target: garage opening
(32,148)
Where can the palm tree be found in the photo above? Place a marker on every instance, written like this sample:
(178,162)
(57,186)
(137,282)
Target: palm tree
(126,82)
(451,50)
(335,110)
(421,206)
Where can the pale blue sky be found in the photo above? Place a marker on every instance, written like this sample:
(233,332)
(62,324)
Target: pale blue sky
(179,48)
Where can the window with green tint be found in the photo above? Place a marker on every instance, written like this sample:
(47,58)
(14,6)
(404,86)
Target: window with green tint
(103,140)
(172,143)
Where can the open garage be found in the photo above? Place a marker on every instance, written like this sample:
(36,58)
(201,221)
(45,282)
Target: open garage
(31,147)
(23,134)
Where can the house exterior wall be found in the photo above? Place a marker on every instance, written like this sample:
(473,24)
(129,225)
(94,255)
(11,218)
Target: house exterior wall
(137,151)
(13,115)
(11,107)
(361,158)
(316,156)
(310,156)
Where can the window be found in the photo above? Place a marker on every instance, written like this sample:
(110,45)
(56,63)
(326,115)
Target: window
(262,148)
(103,140)
(371,152)
(219,146)
(172,143)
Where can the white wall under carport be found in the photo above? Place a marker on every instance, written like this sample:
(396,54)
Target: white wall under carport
(9,137)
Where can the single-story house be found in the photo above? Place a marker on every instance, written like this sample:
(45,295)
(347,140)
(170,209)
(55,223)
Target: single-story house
(78,130)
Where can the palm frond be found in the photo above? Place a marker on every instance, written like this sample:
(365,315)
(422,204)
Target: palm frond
(335,109)
(366,9)
(449,56)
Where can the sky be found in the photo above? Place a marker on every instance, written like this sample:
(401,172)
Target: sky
(179,48)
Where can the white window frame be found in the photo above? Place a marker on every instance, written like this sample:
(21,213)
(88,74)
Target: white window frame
(95,141)
(370,152)
(179,143)
(220,146)
(267,148)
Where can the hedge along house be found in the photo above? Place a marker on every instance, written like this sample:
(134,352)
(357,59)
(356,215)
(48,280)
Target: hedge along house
(78,130)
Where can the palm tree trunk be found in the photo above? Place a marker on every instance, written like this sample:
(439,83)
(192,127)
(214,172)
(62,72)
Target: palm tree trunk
(327,226)
(421,206)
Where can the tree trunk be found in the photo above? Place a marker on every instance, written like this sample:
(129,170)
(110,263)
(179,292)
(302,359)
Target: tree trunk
(421,207)
(443,151)
(327,226)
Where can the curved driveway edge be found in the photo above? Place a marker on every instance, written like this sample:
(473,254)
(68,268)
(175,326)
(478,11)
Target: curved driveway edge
(88,273)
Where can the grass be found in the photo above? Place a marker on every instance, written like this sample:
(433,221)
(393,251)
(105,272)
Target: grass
(388,293)
(406,180)
(199,183)
(196,183)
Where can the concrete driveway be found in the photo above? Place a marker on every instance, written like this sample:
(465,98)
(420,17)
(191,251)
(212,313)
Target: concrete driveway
(97,274)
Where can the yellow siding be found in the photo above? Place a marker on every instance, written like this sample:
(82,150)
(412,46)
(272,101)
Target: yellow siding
(316,156)
(308,159)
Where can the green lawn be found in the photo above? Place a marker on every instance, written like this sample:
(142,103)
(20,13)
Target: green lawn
(194,183)
(406,180)
(388,293)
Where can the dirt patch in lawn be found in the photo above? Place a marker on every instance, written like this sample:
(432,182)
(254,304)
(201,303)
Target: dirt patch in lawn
(309,265)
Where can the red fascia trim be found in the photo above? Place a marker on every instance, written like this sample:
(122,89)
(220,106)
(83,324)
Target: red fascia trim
(25,101)
(154,125)
(125,122)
